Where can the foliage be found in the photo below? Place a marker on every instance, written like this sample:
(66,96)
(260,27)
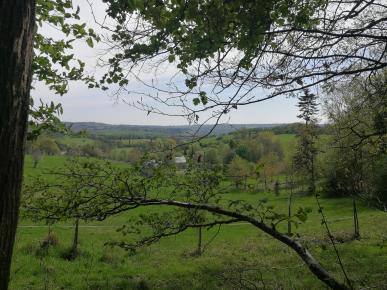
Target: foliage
(343,170)
(44,118)
(216,24)
(239,169)
(229,54)
(249,150)
(357,112)
(51,53)
(212,157)
(378,192)
(305,155)
(270,165)
(54,62)
(44,145)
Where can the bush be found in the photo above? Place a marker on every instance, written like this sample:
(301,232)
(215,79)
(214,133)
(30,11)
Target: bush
(335,185)
(379,183)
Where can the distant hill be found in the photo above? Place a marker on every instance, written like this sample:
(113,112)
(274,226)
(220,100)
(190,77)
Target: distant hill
(145,131)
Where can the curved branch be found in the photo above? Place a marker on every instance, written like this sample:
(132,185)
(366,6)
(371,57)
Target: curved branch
(313,265)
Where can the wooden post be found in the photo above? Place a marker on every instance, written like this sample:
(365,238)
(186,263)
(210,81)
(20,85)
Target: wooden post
(199,249)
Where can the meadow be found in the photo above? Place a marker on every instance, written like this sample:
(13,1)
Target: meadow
(239,256)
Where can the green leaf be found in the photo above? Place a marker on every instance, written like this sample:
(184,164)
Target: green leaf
(171,58)
(90,42)
(203,98)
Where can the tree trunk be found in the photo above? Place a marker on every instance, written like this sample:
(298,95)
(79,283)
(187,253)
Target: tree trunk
(290,209)
(355,220)
(17,23)
(49,229)
(74,247)
(312,175)
(199,250)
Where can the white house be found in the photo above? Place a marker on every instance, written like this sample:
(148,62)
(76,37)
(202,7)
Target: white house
(181,162)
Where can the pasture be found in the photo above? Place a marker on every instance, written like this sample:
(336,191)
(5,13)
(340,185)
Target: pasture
(239,256)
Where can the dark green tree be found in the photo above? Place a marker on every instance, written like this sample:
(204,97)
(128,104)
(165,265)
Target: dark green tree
(357,112)
(305,155)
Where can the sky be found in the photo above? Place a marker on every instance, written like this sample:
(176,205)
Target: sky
(81,104)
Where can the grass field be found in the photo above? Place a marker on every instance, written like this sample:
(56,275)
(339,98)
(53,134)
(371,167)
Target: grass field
(238,251)
(75,140)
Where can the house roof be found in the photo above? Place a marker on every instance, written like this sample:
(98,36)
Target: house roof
(180,159)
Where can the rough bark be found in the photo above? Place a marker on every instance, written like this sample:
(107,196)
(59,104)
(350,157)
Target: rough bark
(17,22)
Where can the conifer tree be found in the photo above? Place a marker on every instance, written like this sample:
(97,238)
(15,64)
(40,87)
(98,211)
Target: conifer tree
(306,151)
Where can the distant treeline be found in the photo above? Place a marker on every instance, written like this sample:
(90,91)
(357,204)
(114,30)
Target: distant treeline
(292,128)
(150,132)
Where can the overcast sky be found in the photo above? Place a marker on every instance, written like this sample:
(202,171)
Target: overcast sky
(83,104)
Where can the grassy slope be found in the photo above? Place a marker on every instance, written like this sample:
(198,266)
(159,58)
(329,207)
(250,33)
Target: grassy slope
(168,264)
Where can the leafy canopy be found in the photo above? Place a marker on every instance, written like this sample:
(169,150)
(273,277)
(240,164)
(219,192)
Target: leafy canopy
(54,61)
(199,30)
